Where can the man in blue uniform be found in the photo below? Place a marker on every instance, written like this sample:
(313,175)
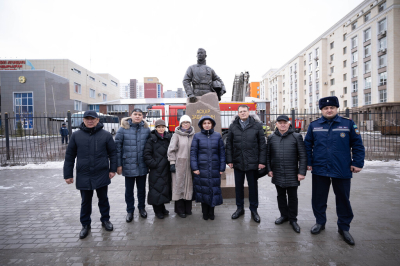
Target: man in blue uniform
(334,152)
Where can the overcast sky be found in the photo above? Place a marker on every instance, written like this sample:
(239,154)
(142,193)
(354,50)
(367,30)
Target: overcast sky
(159,38)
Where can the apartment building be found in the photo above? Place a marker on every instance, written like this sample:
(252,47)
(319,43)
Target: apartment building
(255,89)
(357,60)
(153,88)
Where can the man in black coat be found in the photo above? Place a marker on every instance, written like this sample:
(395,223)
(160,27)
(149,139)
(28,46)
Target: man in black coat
(96,166)
(287,165)
(246,153)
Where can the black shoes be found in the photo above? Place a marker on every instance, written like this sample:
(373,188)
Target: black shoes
(281,220)
(160,215)
(239,212)
(165,212)
(84,232)
(211,213)
(295,227)
(316,229)
(182,215)
(129,217)
(346,237)
(205,216)
(107,225)
(255,216)
(143,213)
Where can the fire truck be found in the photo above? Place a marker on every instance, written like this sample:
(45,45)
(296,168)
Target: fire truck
(171,114)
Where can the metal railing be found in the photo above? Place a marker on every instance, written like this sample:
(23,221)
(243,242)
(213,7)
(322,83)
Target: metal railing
(36,138)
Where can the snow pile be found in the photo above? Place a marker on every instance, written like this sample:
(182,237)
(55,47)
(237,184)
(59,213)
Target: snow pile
(48,165)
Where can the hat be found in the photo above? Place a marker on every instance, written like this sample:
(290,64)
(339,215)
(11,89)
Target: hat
(159,122)
(63,124)
(206,118)
(91,114)
(283,117)
(185,118)
(328,101)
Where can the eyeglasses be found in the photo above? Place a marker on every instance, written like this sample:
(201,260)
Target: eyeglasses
(185,122)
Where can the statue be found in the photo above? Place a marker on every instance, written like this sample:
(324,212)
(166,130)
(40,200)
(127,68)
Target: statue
(201,79)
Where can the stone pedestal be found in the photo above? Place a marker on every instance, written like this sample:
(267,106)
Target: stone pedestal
(205,105)
(228,185)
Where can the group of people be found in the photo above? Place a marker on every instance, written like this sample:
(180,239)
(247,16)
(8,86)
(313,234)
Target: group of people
(187,166)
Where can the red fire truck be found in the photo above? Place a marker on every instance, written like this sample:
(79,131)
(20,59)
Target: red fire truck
(172,113)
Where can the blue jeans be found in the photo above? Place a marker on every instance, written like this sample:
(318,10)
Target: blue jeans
(252,181)
(141,192)
(86,205)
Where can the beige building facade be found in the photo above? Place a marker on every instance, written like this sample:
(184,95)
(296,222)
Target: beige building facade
(357,60)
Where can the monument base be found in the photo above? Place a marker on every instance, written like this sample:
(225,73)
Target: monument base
(228,185)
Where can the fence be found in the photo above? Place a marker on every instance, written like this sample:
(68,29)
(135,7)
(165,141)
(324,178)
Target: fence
(36,138)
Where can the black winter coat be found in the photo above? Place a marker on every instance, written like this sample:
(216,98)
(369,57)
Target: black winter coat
(207,154)
(286,157)
(156,158)
(246,148)
(97,157)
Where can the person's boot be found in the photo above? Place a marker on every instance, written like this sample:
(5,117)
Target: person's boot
(85,231)
(129,217)
(107,225)
(346,237)
(295,226)
(211,213)
(255,216)
(239,212)
(317,228)
(143,213)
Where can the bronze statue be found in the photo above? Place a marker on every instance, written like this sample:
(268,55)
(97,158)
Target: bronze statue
(201,79)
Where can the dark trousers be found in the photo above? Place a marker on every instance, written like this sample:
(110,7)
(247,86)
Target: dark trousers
(141,192)
(64,138)
(207,209)
(86,205)
(253,188)
(320,191)
(183,206)
(159,209)
(288,206)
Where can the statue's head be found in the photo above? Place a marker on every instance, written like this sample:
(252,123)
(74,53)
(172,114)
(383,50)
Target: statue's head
(201,54)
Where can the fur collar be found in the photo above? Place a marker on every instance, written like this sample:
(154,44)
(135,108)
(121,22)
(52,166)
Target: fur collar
(125,123)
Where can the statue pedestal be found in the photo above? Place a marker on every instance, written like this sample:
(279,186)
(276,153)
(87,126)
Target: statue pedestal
(208,104)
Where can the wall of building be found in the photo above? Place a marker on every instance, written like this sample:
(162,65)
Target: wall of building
(255,89)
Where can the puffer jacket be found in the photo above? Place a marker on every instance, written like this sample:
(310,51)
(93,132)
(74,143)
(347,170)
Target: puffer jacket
(130,141)
(246,148)
(286,157)
(208,156)
(155,156)
(96,156)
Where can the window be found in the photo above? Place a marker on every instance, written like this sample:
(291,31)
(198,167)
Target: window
(367,50)
(317,52)
(283,77)
(309,56)
(114,83)
(332,69)
(354,57)
(158,90)
(367,83)
(76,71)
(149,79)
(332,57)
(104,84)
(283,99)
(344,77)
(354,86)
(290,70)
(92,78)
(382,60)
(354,72)
(305,62)
(305,82)
(295,67)
(354,42)
(382,7)
(77,105)
(104,97)
(310,98)
(317,96)
(354,25)
(305,72)
(381,26)
(317,74)
(310,78)
(317,63)
(345,90)
(345,50)
(367,98)
(94,107)
(367,35)
(367,17)
(283,85)
(310,68)
(344,36)
(332,45)
(332,81)
(345,103)
(382,96)
(316,85)
(92,93)
(355,101)
(344,63)
(367,67)
(77,88)
(332,93)
(23,108)
(382,78)
(382,43)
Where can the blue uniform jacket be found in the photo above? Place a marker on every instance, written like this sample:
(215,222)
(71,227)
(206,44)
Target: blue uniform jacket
(332,147)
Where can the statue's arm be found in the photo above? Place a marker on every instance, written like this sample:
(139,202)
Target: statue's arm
(187,79)
(216,77)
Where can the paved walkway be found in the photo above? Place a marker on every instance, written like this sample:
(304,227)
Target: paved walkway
(40,226)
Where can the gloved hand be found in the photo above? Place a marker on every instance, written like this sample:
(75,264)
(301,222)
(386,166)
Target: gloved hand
(172,168)
(192,99)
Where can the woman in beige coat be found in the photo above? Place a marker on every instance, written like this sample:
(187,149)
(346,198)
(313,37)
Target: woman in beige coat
(179,158)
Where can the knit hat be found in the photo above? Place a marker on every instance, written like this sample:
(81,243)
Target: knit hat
(185,118)
(328,101)
(159,122)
